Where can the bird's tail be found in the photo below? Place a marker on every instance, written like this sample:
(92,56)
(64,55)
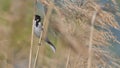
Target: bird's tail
(51,45)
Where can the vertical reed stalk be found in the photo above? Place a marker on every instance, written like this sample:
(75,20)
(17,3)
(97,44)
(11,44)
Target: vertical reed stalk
(36,57)
(31,47)
(90,52)
(43,33)
(68,58)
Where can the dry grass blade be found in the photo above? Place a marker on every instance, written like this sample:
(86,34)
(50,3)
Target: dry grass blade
(91,41)
(46,20)
(31,47)
(68,58)
(43,33)
(36,57)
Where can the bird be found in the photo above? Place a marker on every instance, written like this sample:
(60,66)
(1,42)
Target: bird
(38,27)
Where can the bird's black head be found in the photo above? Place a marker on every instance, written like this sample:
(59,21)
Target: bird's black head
(37,19)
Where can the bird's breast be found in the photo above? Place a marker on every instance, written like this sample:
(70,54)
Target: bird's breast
(37,31)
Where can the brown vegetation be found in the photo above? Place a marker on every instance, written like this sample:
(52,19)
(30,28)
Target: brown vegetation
(71,21)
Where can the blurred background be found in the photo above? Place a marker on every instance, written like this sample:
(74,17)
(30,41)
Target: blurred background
(15,31)
(15,36)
